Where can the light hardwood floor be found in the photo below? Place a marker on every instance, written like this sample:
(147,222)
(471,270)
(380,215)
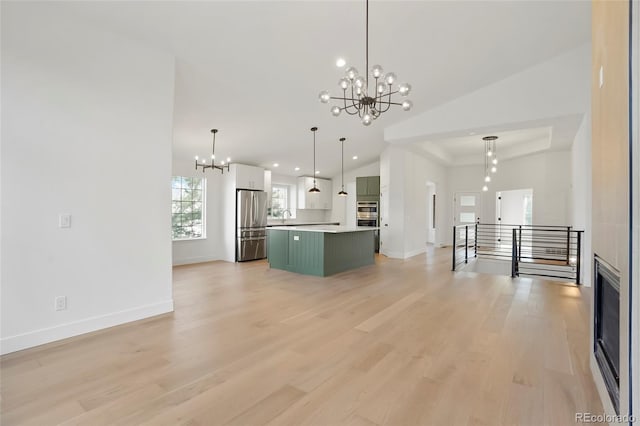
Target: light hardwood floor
(396,343)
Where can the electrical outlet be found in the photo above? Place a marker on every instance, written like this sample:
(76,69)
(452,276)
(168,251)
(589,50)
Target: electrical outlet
(61,303)
(64,221)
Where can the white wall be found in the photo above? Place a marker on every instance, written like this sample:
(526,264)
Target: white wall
(403,180)
(555,88)
(548,174)
(87,123)
(581,188)
(209,248)
(341,211)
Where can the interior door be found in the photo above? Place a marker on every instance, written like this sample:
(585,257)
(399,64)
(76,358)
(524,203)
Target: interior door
(467,208)
(383,217)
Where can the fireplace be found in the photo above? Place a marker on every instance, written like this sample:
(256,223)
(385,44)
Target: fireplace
(607,326)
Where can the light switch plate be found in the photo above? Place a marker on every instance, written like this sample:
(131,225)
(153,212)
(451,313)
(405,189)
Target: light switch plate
(64,221)
(296,238)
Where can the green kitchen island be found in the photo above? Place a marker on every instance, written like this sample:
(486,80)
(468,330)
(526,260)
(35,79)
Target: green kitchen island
(320,250)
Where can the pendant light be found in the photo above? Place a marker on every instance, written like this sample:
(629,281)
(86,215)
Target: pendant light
(342,193)
(490,157)
(315,188)
(213,165)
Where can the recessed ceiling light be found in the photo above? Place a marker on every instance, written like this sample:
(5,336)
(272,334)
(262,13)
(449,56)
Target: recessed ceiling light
(355,157)
(297,168)
(340,62)
(275,164)
(317,172)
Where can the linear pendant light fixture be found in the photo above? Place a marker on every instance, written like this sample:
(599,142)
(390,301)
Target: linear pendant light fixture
(203,162)
(367,102)
(342,193)
(490,159)
(315,188)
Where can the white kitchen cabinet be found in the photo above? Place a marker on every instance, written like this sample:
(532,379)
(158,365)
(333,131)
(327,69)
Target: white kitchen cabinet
(314,200)
(248,177)
(326,194)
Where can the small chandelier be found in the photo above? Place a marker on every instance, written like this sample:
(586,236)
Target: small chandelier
(367,101)
(490,159)
(315,188)
(213,165)
(342,192)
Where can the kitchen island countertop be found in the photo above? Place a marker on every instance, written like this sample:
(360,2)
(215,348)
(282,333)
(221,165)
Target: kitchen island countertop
(333,229)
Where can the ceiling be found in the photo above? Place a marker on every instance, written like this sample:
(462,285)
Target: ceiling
(254,69)
(550,134)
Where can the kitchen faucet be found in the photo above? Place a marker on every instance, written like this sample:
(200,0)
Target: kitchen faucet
(284,216)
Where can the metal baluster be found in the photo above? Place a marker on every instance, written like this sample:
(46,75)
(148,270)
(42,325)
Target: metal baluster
(578,255)
(514,253)
(453,263)
(466,243)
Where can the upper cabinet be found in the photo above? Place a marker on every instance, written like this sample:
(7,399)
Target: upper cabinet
(322,200)
(248,177)
(368,188)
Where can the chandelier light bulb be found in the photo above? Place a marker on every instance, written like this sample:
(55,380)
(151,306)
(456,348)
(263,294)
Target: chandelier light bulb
(358,91)
(222,162)
(360,82)
(494,169)
(366,119)
(407,105)
(340,62)
(485,188)
(487,178)
(489,153)
(196,158)
(228,159)
(324,96)
(343,83)
(204,161)
(335,110)
(351,73)
(382,87)
(376,71)
(495,161)
(404,89)
(390,78)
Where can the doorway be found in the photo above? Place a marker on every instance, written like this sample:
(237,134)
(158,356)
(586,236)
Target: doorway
(431,213)
(514,207)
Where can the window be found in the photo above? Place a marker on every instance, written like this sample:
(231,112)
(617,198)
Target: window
(282,198)
(279,199)
(187,207)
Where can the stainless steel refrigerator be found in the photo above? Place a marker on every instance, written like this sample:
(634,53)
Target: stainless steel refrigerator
(251,225)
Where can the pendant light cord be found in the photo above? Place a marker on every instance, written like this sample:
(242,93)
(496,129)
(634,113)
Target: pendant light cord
(367,45)
(342,141)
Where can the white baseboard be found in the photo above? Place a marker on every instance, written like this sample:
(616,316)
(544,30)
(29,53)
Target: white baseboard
(414,252)
(191,260)
(63,331)
(404,255)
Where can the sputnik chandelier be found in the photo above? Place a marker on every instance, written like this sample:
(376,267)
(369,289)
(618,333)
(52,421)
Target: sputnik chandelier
(213,165)
(490,159)
(364,100)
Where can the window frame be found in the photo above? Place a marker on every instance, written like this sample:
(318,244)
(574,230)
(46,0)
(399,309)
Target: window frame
(291,201)
(203,202)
